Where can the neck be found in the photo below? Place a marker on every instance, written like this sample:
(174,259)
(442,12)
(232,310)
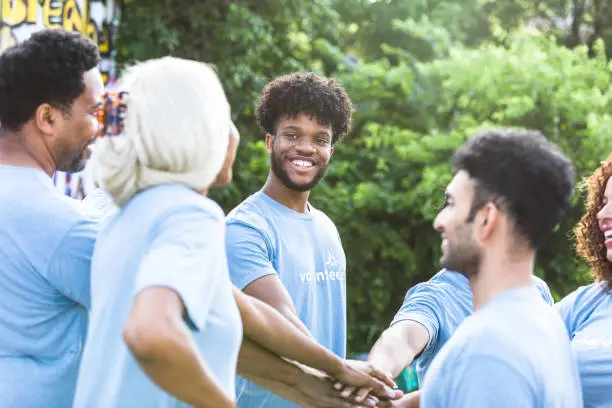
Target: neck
(499,274)
(295,200)
(15,150)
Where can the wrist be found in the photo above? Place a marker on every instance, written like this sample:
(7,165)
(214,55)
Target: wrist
(336,367)
(290,374)
(379,364)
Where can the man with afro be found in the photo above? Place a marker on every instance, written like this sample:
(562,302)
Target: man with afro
(280,248)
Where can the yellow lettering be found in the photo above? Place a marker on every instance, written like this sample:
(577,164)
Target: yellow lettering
(32,11)
(72,17)
(13,11)
(52,14)
(92,32)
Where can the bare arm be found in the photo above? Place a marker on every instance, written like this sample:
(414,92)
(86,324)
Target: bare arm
(269,289)
(162,344)
(297,384)
(268,328)
(398,346)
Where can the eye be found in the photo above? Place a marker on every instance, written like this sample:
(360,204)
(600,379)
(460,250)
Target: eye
(323,142)
(290,136)
(445,203)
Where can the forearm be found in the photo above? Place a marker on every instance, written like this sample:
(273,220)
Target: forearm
(267,327)
(391,353)
(177,367)
(256,363)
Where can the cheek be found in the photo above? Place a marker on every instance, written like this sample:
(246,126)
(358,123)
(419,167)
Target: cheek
(326,153)
(88,128)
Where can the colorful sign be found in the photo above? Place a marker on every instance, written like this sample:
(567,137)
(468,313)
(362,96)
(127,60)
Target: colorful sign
(97,19)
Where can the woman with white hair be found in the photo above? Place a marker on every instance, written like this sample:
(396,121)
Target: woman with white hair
(165,327)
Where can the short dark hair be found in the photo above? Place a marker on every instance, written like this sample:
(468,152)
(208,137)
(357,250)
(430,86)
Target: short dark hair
(46,68)
(528,175)
(290,95)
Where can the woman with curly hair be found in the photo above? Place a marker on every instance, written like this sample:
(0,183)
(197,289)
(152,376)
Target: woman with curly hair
(587,311)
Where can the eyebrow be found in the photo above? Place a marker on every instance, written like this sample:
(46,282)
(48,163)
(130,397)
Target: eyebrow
(293,127)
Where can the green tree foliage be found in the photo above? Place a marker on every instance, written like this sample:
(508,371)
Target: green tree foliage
(424,76)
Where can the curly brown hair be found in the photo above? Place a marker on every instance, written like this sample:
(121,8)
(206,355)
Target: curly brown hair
(590,240)
(320,97)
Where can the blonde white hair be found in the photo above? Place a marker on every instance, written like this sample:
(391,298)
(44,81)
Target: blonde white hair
(177,128)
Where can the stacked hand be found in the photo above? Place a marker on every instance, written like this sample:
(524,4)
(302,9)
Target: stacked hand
(364,384)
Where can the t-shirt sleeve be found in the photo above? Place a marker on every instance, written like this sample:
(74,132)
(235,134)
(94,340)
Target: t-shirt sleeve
(249,254)
(568,309)
(69,269)
(480,382)
(543,290)
(422,305)
(186,255)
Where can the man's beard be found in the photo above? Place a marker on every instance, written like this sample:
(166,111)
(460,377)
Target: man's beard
(277,168)
(73,163)
(465,257)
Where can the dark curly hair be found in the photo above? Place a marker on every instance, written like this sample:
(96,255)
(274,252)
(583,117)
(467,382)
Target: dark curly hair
(525,174)
(46,68)
(590,240)
(320,97)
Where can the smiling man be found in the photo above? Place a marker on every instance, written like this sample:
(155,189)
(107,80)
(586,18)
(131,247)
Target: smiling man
(511,188)
(49,92)
(280,248)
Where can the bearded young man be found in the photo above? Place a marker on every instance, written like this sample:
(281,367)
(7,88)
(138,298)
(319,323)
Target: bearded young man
(280,248)
(510,190)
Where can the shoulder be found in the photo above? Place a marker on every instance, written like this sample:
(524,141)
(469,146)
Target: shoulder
(169,199)
(445,281)
(581,301)
(322,217)
(251,213)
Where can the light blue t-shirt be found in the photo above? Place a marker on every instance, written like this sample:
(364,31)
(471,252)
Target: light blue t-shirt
(441,304)
(587,313)
(514,352)
(265,237)
(46,244)
(165,236)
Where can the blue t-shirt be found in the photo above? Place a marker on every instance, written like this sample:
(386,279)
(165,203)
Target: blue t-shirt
(441,304)
(265,237)
(46,244)
(587,313)
(165,236)
(514,352)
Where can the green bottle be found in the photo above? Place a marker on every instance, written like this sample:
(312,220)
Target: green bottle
(408,381)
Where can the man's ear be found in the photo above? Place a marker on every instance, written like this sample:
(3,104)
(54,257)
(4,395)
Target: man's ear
(486,221)
(46,118)
(269,142)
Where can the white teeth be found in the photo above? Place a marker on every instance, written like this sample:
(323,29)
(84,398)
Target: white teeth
(302,163)
(608,233)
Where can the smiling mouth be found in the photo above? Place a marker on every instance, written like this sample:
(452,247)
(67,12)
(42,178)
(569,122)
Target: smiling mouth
(302,164)
(608,237)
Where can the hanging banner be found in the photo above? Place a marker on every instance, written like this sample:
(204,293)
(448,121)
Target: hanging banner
(97,19)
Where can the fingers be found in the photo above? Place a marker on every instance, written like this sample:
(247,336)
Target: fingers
(371,401)
(376,373)
(362,394)
(347,392)
(380,388)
